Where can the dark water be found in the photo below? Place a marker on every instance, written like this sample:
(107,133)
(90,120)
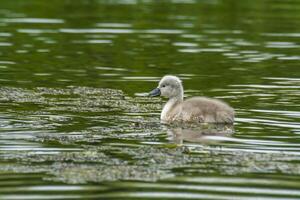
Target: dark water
(75,122)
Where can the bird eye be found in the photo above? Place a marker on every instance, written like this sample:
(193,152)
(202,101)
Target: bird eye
(163,85)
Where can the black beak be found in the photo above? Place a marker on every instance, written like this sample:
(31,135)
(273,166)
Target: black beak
(155,92)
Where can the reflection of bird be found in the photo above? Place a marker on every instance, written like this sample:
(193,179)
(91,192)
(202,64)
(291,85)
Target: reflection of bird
(196,109)
(201,134)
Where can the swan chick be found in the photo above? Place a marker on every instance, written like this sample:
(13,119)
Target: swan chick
(195,109)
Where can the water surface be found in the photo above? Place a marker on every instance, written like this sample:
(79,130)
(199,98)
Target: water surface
(75,122)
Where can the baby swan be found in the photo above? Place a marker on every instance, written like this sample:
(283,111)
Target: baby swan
(195,109)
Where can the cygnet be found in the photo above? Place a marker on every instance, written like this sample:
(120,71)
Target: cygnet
(194,110)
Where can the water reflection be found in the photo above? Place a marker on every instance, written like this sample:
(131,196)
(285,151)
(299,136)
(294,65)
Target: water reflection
(203,134)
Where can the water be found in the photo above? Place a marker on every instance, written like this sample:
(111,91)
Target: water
(75,122)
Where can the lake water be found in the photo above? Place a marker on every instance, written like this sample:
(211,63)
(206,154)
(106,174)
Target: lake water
(75,122)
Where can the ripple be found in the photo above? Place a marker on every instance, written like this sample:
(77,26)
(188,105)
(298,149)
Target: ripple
(280,45)
(114,25)
(96,30)
(280,112)
(187,195)
(42,74)
(194,36)
(141,78)
(259,57)
(5,44)
(36,31)
(223,31)
(282,34)
(185,44)
(43,50)
(218,188)
(100,36)
(285,124)
(120,31)
(284,79)
(5,34)
(111,68)
(184,1)
(208,50)
(289,58)
(92,41)
(7,62)
(32,20)
(21,51)
(267,86)
(162,31)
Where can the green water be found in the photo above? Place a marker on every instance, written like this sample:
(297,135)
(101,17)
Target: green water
(75,122)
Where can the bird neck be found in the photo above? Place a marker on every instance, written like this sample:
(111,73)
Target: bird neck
(171,104)
(178,98)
